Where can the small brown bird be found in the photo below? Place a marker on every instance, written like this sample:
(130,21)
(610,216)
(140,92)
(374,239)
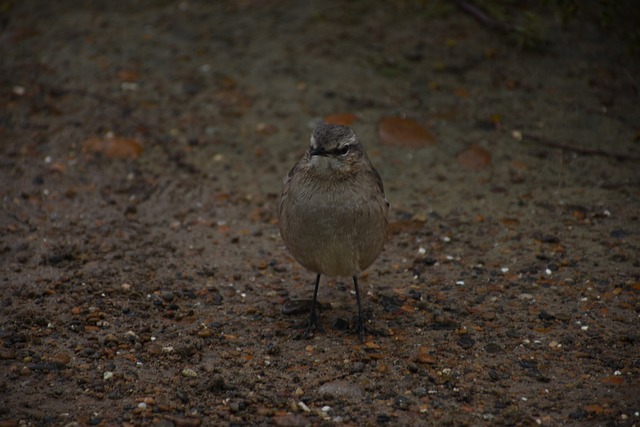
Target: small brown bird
(333,211)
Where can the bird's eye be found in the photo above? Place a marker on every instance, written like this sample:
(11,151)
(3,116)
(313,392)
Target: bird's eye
(343,150)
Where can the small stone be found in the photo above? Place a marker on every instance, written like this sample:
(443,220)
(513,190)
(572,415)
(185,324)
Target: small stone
(7,354)
(543,315)
(402,403)
(493,348)
(466,342)
(341,388)
(60,359)
(425,357)
(187,422)
(110,338)
(295,307)
(419,392)
(204,333)
(290,420)
(190,373)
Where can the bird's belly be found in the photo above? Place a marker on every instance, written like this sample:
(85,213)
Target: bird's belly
(340,238)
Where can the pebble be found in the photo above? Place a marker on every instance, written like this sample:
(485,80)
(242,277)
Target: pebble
(7,354)
(61,359)
(466,342)
(419,392)
(425,357)
(190,373)
(402,402)
(187,422)
(341,388)
(294,307)
(493,348)
(290,420)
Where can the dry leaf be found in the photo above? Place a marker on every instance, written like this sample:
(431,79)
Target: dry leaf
(344,119)
(616,380)
(128,76)
(113,147)
(474,158)
(510,222)
(404,133)
(462,92)
(596,409)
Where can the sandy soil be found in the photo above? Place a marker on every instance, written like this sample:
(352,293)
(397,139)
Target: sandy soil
(143,277)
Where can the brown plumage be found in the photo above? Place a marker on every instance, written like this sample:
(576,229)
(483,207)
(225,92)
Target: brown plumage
(333,211)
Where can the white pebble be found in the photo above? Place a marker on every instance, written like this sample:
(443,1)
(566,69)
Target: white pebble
(303,406)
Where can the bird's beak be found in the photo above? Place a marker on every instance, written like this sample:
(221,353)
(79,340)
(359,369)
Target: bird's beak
(318,151)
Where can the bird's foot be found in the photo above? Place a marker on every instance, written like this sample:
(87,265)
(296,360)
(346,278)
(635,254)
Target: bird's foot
(312,325)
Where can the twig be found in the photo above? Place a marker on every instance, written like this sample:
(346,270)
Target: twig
(580,150)
(482,17)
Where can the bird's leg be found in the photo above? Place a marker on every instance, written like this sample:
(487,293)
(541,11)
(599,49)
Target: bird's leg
(360,319)
(313,317)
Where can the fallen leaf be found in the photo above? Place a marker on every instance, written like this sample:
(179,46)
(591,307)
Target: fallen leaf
(462,92)
(474,158)
(113,147)
(616,380)
(128,76)
(596,409)
(344,119)
(404,133)
(510,222)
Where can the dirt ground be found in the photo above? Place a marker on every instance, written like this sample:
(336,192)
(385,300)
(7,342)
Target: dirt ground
(144,281)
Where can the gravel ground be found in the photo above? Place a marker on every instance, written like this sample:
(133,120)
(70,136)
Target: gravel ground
(144,282)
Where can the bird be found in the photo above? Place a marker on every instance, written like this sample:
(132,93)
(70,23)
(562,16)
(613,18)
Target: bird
(333,213)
